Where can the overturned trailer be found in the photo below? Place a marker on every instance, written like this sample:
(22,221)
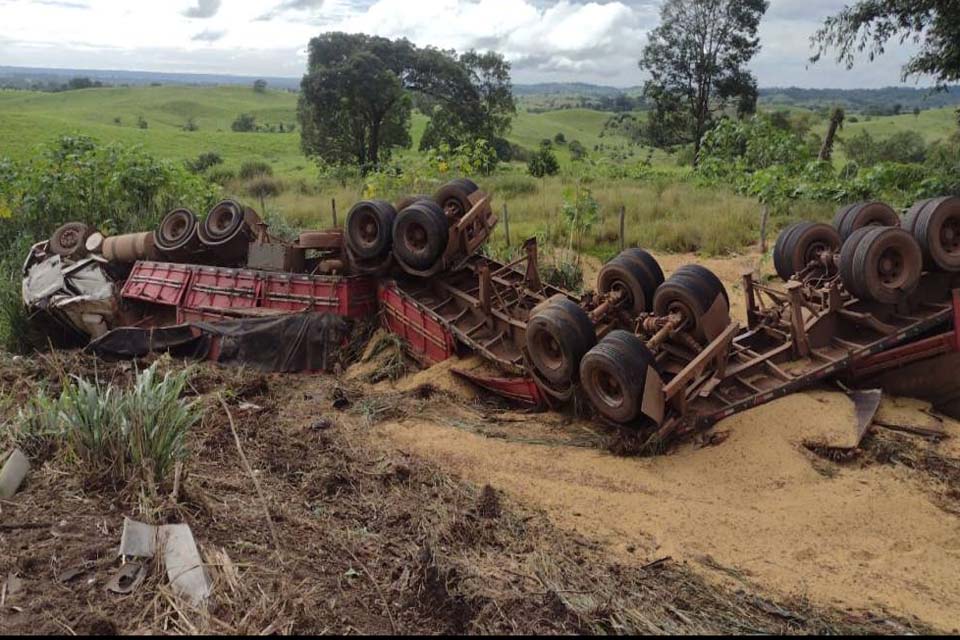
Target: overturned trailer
(660,355)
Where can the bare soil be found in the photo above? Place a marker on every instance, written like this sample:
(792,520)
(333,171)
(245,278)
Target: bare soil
(373,537)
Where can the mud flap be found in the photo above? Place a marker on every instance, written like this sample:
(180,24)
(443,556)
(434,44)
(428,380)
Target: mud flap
(654,400)
(716,319)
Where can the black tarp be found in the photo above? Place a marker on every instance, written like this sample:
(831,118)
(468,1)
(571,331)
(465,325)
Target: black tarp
(283,344)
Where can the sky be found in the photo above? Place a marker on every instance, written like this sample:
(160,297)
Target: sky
(595,41)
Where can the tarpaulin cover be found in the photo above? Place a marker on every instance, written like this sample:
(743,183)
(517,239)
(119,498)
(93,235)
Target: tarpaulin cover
(284,343)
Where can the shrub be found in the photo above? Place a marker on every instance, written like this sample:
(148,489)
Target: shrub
(263,187)
(245,122)
(566,274)
(142,122)
(204,161)
(543,163)
(560,139)
(254,169)
(191,125)
(221,175)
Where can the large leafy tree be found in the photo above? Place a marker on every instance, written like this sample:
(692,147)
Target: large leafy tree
(353,109)
(358,93)
(697,61)
(868,26)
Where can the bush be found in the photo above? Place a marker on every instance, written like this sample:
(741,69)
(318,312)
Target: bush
(566,274)
(902,147)
(560,139)
(118,434)
(221,176)
(142,122)
(245,122)
(204,161)
(254,169)
(577,150)
(263,187)
(543,163)
(191,125)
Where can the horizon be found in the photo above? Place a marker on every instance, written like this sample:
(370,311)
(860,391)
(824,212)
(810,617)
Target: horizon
(244,76)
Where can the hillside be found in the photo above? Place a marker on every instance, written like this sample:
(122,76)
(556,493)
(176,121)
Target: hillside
(111,114)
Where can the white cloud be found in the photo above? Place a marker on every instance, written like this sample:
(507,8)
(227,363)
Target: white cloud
(546,40)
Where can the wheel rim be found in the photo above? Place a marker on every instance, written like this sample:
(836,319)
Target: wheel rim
(607,388)
(549,350)
(368,229)
(175,228)
(890,268)
(453,208)
(222,221)
(70,238)
(950,236)
(415,237)
(814,251)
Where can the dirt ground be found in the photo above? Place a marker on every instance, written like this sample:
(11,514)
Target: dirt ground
(410,504)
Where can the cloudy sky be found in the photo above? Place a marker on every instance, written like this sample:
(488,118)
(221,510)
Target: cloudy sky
(595,41)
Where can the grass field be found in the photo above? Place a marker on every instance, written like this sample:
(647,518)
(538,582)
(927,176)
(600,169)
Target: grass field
(660,214)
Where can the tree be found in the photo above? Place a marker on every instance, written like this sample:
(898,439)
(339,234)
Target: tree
(260,86)
(357,96)
(836,122)
(543,163)
(697,61)
(868,25)
(485,107)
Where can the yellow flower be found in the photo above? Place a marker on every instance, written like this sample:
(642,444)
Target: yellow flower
(5,211)
(443,167)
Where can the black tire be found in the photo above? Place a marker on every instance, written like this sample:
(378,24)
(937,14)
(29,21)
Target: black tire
(692,295)
(614,373)
(406,201)
(647,261)
(935,224)
(799,245)
(69,240)
(882,264)
(420,235)
(454,199)
(864,214)
(630,276)
(841,215)
(176,230)
(468,185)
(369,230)
(558,336)
(703,274)
(223,222)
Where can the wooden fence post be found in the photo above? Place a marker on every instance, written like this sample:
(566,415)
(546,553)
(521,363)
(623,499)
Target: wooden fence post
(623,215)
(763,228)
(333,207)
(506,223)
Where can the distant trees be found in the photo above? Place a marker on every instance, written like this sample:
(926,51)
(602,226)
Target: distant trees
(357,96)
(904,147)
(260,86)
(697,61)
(868,25)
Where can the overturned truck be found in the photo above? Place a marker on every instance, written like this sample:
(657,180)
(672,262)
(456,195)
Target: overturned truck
(868,300)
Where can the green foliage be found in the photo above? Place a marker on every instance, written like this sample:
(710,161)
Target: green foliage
(902,147)
(580,213)
(577,150)
(697,60)
(543,163)
(260,86)
(113,187)
(255,168)
(191,125)
(204,161)
(560,139)
(114,433)
(263,187)
(244,123)
(142,123)
(566,275)
(868,25)
(466,159)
